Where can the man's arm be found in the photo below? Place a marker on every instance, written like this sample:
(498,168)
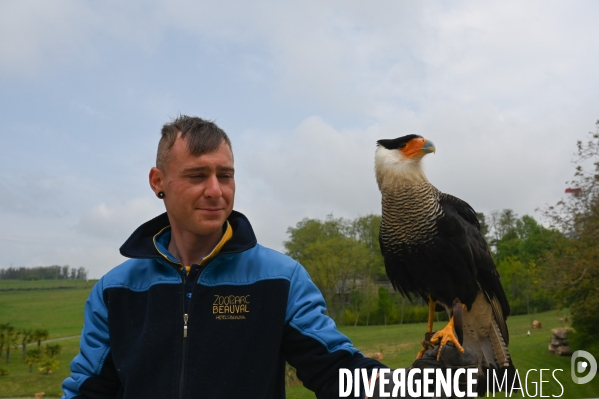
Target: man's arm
(92,371)
(312,344)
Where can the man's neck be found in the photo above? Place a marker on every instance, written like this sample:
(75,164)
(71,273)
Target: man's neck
(190,248)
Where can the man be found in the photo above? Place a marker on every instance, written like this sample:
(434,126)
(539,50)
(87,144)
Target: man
(201,310)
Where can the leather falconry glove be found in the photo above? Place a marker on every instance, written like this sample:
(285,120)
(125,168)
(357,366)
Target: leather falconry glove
(450,358)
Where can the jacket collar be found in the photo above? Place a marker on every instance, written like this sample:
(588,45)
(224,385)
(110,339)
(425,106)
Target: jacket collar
(141,243)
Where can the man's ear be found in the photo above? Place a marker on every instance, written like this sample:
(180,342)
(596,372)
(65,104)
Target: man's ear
(156,178)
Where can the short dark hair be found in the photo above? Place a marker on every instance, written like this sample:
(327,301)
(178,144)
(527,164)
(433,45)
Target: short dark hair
(202,136)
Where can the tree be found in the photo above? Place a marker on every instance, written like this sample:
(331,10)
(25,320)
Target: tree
(42,273)
(484,227)
(12,341)
(81,274)
(371,301)
(384,304)
(342,256)
(26,338)
(32,357)
(40,335)
(365,229)
(519,250)
(309,231)
(4,327)
(526,239)
(356,301)
(575,265)
(53,349)
(48,364)
(502,223)
(335,265)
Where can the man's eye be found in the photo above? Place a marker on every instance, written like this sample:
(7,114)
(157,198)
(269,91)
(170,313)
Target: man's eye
(197,176)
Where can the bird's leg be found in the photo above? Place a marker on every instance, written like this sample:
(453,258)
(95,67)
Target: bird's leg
(448,334)
(457,312)
(431,313)
(429,328)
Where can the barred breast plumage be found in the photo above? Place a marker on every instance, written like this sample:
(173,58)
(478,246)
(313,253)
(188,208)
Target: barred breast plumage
(406,216)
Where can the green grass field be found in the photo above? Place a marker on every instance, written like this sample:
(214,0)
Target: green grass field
(41,304)
(56,305)
(400,343)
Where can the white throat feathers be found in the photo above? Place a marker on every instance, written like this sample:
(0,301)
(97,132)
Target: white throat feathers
(393,170)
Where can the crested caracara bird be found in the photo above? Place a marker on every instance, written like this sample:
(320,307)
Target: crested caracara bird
(433,248)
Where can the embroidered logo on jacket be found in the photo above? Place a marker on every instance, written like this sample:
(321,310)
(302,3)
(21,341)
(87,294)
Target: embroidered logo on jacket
(230,307)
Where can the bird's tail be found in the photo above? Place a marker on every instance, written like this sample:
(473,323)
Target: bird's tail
(483,334)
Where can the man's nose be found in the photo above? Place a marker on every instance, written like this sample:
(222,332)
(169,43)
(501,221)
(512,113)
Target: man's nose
(212,187)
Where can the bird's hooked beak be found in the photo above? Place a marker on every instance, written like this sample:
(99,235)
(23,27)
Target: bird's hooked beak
(428,147)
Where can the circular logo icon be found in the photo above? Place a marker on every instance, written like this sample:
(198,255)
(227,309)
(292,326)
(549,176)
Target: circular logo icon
(580,367)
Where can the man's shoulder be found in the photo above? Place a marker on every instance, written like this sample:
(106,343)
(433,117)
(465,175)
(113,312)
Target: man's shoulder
(256,264)
(139,275)
(274,255)
(273,258)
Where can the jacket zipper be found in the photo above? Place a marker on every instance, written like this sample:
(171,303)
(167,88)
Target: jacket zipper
(185,318)
(182,378)
(185,329)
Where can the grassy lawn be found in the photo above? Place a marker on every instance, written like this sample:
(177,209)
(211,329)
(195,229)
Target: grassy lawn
(400,343)
(42,304)
(20,382)
(56,305)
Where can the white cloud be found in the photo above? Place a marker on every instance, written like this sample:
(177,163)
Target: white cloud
(44,241)
(316,169)
(38,33)
(31,195)
(349,56)
(116,222)
(312,171)
(504,89)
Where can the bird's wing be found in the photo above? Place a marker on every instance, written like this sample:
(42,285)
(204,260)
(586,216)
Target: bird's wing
(462,208)
(476,248)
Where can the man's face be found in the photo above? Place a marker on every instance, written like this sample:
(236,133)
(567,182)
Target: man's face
(199,189)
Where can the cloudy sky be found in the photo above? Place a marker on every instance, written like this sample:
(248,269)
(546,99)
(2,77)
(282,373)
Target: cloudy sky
(304,89)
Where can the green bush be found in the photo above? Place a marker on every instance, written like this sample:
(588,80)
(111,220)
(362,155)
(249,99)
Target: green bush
(349,317)
(586,336)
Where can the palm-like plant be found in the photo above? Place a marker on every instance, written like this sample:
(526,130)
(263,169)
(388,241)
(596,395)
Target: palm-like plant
(7,334)
(26,338)
(39,335)
(48,364)
(33,356)
(53,350)
(12,341)
(3,339)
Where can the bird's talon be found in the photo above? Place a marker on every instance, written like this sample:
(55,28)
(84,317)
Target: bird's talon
(447,334)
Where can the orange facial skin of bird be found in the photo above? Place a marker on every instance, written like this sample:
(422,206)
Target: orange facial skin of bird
(417,147)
